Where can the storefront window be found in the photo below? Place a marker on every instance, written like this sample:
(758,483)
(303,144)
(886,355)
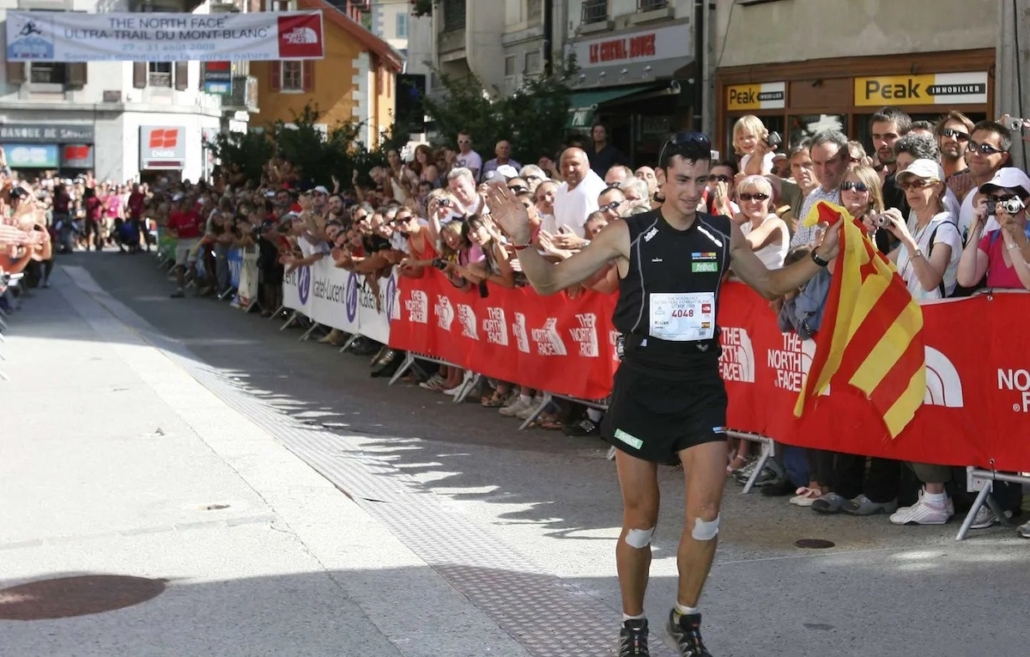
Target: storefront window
(807,125)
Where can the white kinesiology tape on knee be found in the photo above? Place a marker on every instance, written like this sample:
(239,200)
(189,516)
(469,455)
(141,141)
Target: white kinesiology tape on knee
(705,531)
(639,538)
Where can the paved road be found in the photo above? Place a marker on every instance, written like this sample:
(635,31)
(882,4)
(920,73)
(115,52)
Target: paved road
(365,519)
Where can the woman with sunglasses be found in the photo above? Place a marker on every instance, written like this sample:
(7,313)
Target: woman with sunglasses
(930,246)
(1000,254)
(765,232)
(861,193)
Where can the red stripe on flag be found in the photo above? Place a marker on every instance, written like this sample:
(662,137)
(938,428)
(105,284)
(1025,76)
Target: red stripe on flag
(897,380)
(881,317)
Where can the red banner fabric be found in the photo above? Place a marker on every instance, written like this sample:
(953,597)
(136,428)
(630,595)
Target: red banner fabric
(976,410)
(559,344)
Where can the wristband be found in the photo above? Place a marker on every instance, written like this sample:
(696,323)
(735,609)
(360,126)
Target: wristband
(819,261)
(520,247)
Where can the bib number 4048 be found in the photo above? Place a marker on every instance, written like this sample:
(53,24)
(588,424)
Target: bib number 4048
(683,312)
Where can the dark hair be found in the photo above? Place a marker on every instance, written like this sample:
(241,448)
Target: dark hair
(953,116)
(923,125)
(689,146)
(997,128)
(726,163)
(800,146)
(901,120)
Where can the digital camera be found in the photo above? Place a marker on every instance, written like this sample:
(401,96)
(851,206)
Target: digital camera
(1011,206)
(878,219)
(1015,124)
(774,139)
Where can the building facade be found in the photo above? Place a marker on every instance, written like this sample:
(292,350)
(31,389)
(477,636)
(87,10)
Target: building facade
(804,65)
(389,21)
(112,117)
(354,83)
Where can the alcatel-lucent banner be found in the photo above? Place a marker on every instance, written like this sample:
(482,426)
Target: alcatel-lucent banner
(79,37)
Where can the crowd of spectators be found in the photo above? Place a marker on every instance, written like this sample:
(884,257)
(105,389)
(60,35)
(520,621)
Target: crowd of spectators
(940,200)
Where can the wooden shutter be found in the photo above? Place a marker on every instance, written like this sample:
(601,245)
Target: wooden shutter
(308,69)
(182,76)
(76,74)
(139,75)
(16,73)
(275,76)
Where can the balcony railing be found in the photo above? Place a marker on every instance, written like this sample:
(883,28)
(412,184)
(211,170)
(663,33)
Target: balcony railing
(244,96)
(453,15)
(595,11)
(651,5)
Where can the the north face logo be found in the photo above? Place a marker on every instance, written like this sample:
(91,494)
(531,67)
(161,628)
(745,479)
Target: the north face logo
(737,362)
(300,36)
(943,385)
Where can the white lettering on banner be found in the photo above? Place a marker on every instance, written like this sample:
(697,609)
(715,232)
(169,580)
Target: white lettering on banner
(613,341)
(418,307)
(467,319)
(163,37)
(444,312)
(1016,381)
(519,330)
(586,335)
(787,363)
(737,362)
(548,340)
(496,327)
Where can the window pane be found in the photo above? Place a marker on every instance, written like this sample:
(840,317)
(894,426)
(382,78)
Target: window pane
(402,26)
(807,125)
(509,65)
(47,73)
(293,76)
(532,61)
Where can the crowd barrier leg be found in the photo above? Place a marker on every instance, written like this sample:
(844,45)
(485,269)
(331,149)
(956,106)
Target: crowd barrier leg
(276,313)
(768,450)
(468,384)
(983,480)
(546,399)
(409,360)
(290,321)
(229,292)
(307,333)
(350,342)
(251,306)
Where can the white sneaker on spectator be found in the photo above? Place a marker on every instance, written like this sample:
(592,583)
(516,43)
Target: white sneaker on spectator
(453,392)
(986,517)
(514,408)
(529,410)
(1024,530)
(924,513)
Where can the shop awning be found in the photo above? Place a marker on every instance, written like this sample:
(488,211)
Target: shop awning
(585,103)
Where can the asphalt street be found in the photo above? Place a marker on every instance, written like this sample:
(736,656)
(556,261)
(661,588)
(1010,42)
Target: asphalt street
(292,505)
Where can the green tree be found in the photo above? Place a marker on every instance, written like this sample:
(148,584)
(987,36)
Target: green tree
(533,118)
(242,154)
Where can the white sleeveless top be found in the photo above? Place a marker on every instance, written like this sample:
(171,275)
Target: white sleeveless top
(773,254)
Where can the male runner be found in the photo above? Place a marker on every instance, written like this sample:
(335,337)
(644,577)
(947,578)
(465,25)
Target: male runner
(668,398)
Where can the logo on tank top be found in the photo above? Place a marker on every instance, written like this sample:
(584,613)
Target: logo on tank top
(651,233)
(496,327)
(737,362)
(417,307)
(586,335)
(444,312)
(467,319)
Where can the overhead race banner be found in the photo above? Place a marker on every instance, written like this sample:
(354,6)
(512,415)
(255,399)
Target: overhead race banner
(38,36)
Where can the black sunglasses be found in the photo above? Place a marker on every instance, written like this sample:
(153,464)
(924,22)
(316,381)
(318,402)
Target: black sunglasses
(696,139)
(518,189)
(958,135)
(614,205)
(985,149)
(754,197)
(857,186)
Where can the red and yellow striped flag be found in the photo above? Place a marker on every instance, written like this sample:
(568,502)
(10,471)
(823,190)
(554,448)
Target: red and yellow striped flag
(871,335)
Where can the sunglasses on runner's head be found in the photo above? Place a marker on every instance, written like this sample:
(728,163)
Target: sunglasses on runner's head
(691,145)
(851,184)
(957,135)
(985,149)
(754,197)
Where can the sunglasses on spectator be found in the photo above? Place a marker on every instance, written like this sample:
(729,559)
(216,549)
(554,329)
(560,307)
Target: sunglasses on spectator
(957,135)
(985,149)
(612,185)
(518,189)
(534,177)
(851,184)
(723,179)
(401,220)
(464,141)
(614,205)
(754,197)
(918,183)
(1001,198)
(444,202)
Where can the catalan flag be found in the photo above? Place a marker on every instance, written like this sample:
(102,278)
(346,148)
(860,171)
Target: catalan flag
(871,336)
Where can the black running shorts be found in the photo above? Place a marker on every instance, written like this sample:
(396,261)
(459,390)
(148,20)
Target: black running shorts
(654,418)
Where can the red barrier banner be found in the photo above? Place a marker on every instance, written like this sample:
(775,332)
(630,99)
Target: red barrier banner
(976,410)
(559,344)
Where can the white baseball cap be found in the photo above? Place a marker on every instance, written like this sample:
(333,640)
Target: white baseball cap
(923,168)
(1008,178)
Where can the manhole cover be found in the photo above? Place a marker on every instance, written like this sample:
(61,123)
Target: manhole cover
(814,543)
(76,596)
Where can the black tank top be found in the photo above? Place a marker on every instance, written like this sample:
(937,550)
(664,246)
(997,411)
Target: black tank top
(665,261)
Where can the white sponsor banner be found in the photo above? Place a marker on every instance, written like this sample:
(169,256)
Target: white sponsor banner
(374,319)
(163,37)
(325,294)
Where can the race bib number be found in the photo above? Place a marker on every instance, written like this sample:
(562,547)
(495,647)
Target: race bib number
(683,317)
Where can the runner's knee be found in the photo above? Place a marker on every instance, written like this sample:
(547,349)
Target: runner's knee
(639,538)
(704,527)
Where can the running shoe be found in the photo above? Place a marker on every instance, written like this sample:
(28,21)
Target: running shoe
(684,635)
(633,639)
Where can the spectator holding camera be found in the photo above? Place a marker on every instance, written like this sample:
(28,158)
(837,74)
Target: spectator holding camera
(752,143)
(999,254)
(930,247)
